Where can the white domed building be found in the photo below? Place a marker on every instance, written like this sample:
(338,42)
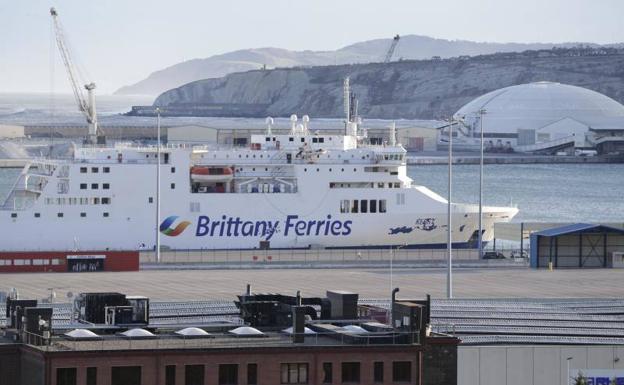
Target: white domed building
(536,117)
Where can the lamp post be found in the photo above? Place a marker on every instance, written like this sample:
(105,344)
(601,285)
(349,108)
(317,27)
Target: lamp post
(392,250)
(449,272)
(568,370)
(481,113)
(157,185)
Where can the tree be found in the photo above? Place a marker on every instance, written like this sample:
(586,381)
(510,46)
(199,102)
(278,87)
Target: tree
(580,379)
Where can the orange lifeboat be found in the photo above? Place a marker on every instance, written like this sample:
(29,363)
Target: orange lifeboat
(211,174)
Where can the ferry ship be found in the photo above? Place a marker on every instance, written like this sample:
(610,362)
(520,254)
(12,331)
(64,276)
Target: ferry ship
(293,190)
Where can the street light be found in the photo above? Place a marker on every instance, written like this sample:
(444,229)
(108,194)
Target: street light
(392,251)
(482,112)
(157,185)
(449,272)
(568,371)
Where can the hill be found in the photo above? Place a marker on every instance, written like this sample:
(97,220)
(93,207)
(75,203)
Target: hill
(406,89)
(410,47)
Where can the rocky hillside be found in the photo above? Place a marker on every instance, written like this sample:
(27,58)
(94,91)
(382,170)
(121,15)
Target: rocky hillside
(405,89)
(410,47)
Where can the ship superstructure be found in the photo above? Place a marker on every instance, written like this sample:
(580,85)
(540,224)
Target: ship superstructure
(294,190)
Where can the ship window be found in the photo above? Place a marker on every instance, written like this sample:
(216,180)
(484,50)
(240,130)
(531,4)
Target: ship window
(330,170)
(60,215)
(83,170)
(95,170)
(363,206)
(267,139)
(106,170)
(37,215)
(106,201)
(172,186)
(342,169)
(397,185)
(172,170)
(394,173)
(106,215)
(317,170)
(94,186)
(106,186)
(150,200)
(291,139)
(83,215)
(13,215)
(314,140)
(344,206)
(380,185)
(354,170)
(305,170)
(302,140)
(95,201)
(83,186)
(373,206)
(354,206)
(84,201)
(321,140)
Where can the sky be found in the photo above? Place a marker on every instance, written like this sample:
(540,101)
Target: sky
(119,42)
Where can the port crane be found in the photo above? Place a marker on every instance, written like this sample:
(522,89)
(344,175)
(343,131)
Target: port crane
(86,105)
(393,45)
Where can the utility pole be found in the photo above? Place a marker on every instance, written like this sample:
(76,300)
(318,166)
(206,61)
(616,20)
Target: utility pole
(158,185)
(449,273)
(481,113)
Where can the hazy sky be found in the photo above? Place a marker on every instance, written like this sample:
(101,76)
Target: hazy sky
(120,42)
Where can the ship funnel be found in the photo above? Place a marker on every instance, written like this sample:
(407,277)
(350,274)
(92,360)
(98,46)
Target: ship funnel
(269,123)
(306,121)
(293,123)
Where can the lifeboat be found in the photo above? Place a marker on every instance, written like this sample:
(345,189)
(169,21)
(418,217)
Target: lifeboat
(211,174)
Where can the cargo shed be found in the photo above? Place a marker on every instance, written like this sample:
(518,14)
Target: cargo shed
(579,245)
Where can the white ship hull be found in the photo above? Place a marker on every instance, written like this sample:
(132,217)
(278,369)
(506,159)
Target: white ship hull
(294,205)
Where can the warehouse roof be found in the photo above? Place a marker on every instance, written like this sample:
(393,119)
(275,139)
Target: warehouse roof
(576,228)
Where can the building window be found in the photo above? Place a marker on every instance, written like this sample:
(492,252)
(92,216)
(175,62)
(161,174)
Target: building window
(172,186)
(228,374)
(402,371)
(170,375)
(106,186)
(92,375)
(83,170)
(327,373)
(351,372)
(125,375)
(294,373)
(106,170)
(94,170)
(94,186)
(252,374)
(378,371)
(194,375)
(83,186)
(66,376)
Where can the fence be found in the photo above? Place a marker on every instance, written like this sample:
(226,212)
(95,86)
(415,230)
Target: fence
(276,256)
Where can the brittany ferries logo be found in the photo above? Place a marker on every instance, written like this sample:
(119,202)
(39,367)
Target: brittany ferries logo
(237,227)
(165,226)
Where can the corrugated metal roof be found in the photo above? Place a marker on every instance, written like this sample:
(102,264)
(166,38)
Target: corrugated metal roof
(576,227)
